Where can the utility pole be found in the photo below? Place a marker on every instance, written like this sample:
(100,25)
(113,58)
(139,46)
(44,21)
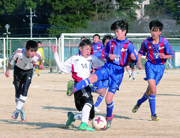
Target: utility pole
(30,17)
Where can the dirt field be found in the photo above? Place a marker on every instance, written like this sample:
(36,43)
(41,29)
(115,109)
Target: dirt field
(47,106)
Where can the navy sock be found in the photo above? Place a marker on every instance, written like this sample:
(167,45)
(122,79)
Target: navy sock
(143,99)
(152,104)
(99,100)
(110,109)
(82,84)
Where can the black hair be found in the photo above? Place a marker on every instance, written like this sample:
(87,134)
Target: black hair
(83,37)
(107,37)
(121,24)
(96,35)
(85,42)
(39,42)
(156,24)
(32,44)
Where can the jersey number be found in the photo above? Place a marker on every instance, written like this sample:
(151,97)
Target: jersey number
(84,66)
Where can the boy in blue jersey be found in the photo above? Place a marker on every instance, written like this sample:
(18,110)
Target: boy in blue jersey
(100,87)
(97,45)
(118,52)
(157,51)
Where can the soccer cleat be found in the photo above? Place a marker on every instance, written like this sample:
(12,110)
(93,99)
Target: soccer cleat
(135,108)
(96,109)
(109,120)
(23,115)
(84,127)
(154,117)
(70,88)
(134,79)
(15,114)
(129,77)
(70,118)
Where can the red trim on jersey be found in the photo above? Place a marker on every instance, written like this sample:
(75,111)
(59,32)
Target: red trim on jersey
(74,75)
(151,52)
(124,53)
(162,51)
(112,47)
(92,52)
(98,46)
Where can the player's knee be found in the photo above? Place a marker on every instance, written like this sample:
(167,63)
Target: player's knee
(108,100)
(93,78)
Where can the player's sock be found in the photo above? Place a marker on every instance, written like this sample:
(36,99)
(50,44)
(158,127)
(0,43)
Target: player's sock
(129,72)
(152,103)
(36,70)
(22,100)
(133,74)
(78,116)
(93,89)
(110,109)
(16,100)
(143,99)
(39,71)
(82,84)
(99,100)
(85,112)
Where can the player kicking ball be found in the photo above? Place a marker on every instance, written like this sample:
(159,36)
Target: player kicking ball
(25,59)
(80,66)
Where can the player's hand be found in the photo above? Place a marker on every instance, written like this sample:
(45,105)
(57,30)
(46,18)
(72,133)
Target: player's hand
(54,49)
(112,56)
(7,73)
(41,66)
(133,56)
(162,55)
(140,66)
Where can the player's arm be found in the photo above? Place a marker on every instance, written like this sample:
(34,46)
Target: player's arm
(7,70)
(65,66)
(41,66)
(168,52)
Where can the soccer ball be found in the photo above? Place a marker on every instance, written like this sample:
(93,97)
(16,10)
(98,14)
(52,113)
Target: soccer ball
(99,123)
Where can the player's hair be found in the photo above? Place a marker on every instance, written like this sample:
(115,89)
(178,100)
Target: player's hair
(121,24)
(156,24)
(96,35)
(39,42)
(108,36)
(32,44)
(83,37)
(85,42)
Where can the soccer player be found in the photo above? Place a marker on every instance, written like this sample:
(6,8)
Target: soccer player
(157,51)
(25,59)
(82,38)
(118,51)
(100,87)
(131,68)
(81,67)
(97,45)
(41,50)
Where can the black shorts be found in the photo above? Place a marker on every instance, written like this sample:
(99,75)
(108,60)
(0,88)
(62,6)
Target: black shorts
(80,100)
(22,80)
(132,65)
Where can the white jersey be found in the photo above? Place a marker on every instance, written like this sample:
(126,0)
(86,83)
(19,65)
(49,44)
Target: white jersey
(79,66)
(22,61)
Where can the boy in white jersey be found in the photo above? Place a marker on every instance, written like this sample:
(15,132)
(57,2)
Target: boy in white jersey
(80,66)
(25,59)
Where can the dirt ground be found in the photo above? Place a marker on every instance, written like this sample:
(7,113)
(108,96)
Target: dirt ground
(47,106)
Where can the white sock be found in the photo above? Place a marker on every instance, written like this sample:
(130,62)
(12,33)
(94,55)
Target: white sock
(22,100)
(129,72)
(133,74)
(78,116)
(85,112)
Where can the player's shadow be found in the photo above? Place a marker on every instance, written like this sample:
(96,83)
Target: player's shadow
(115,116)
(59,108)
(36,125)
(168,94)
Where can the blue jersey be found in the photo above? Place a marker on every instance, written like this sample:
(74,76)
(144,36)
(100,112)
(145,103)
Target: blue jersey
(96,47)
(122,50)
(152,50)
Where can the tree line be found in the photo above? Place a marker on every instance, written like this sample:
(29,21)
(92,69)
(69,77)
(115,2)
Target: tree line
(71,16)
